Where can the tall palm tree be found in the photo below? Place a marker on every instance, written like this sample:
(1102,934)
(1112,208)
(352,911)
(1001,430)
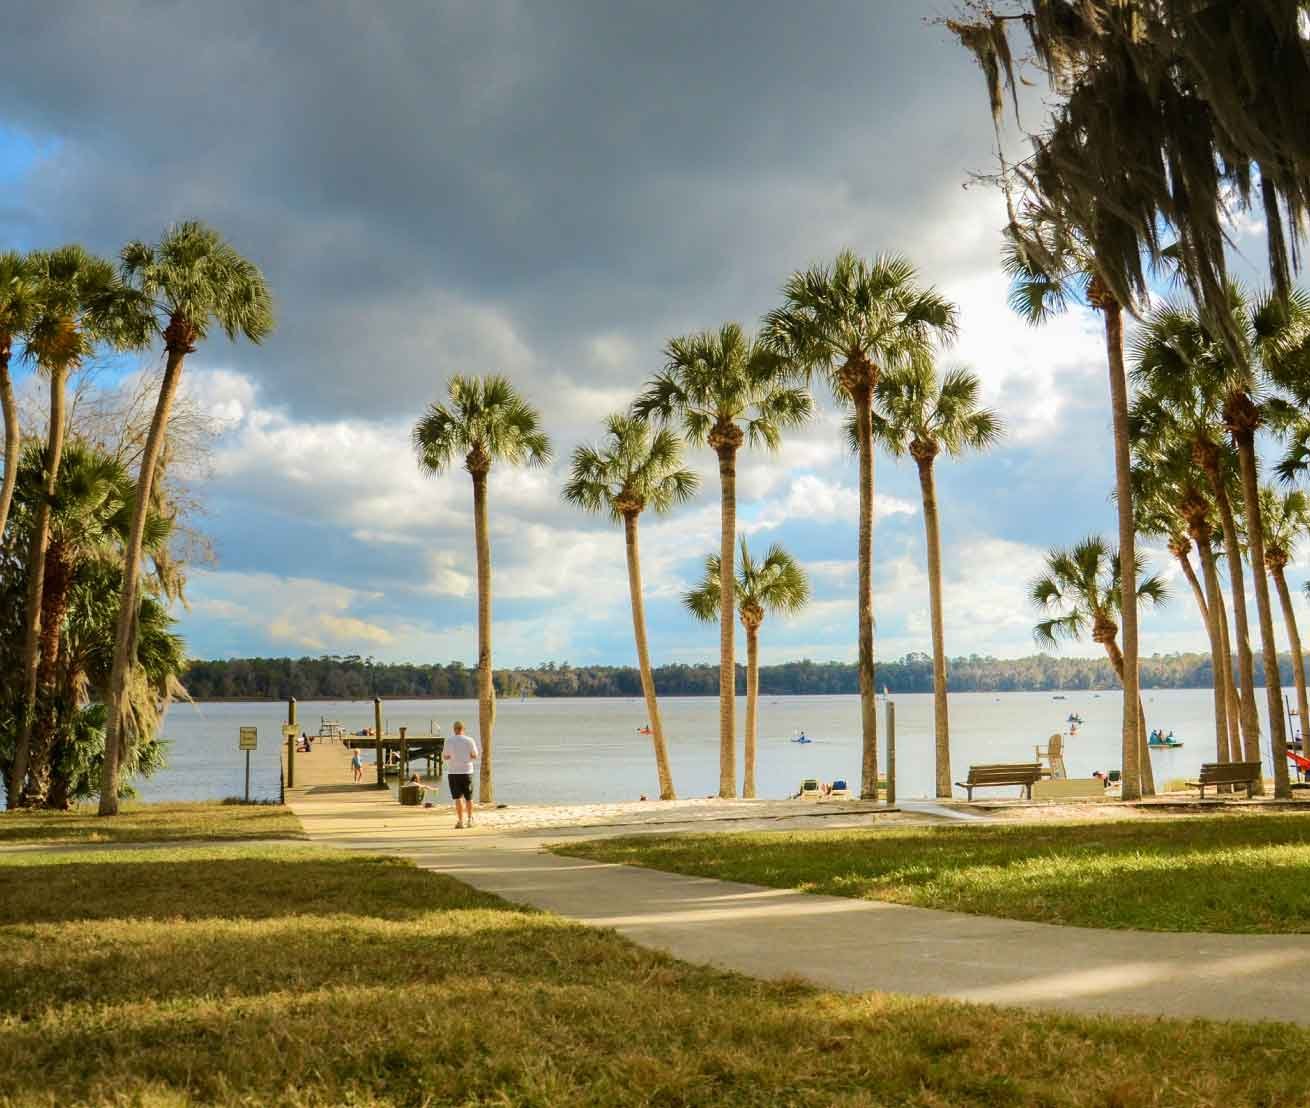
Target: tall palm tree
(1051,265)
(851,322)
(636,468)
(1197,376)
(775,585)
(189,281)
(1169,504)
(19,309)
(1080,589)
(83,306)
(1286,519)
(486,421)
(916,412)
(712,383)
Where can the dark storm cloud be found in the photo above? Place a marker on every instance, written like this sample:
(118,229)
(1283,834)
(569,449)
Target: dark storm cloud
(434,187)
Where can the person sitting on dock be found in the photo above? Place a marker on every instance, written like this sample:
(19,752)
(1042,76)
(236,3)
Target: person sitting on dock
(459,755)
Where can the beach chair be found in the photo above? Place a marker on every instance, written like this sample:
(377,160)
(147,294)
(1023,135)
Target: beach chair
(839,790)
(810,789)
(1053,756)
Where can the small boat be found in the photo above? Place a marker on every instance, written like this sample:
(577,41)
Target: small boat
(1058,697)
(1073,718)
(801,738)
(643,731)
(1170,744)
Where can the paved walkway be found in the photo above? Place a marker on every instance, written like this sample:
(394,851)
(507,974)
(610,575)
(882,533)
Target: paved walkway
(844,944)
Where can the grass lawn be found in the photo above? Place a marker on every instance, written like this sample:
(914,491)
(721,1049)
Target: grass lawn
(1198,873)
(137,823)
(294,975)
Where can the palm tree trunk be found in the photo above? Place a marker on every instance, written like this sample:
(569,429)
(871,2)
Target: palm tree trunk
(12,438)
(54,604)
(1212,613)
(486,690)
(1194,581)
(125,629)
(941,718)
(1294,640)
(863,400)
(1255,538)
(1230,682)
(643,657)
(752,707)
(1245,662)
(31,649)
(727,628)
(1143,746)
(1114,343)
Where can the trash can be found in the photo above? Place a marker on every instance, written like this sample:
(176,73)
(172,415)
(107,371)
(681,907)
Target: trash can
(411,794)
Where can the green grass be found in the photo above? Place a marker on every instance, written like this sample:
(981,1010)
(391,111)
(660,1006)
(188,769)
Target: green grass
(294,975)
(1197,873)
(138,823)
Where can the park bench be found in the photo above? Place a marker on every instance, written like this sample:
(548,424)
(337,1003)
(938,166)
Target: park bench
(1214,774)
(1019,773)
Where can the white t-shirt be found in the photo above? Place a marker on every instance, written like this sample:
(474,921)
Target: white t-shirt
(459,753)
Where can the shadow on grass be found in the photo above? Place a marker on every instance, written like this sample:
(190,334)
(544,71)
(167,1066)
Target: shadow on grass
(517,1009)
(188,885)
(151,823)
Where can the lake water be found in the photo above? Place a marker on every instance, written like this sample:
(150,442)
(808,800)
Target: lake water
(572,751)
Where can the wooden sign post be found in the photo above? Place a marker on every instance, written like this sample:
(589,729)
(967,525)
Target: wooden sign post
(247,741)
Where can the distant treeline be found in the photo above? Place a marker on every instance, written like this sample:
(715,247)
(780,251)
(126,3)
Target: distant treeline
(353,677)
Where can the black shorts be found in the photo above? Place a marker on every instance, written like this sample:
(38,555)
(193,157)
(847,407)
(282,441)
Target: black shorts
(461,786)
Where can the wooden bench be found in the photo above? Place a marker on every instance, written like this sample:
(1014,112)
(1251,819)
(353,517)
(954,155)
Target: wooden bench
(1019,773)
(1245,774)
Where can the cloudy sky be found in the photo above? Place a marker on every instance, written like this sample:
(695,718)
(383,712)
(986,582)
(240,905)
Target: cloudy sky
(550,190)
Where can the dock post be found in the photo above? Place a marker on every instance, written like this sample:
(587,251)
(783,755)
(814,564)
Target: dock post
(291,743)
(403,775)
(377,738)
(891,751)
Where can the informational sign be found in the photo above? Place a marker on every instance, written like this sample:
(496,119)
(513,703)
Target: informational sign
(249,738)
(290,730)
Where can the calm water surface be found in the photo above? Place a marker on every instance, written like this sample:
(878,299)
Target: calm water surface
(570,751)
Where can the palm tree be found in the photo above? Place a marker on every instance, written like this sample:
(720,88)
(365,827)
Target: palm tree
(1286,519)
(711,384)
(1051,264)
(920,414)
(1182,397)
(1081,589)
(190,280)
(83,306)
(90,519)
(775,585)
(486,421)
(1169,503)
(19,308)
(851,322)
(635,469)
(1198,378)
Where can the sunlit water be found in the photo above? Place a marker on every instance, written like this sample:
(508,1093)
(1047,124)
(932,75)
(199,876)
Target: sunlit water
(570,751)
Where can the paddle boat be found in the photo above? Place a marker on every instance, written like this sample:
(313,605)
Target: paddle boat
(1157,741)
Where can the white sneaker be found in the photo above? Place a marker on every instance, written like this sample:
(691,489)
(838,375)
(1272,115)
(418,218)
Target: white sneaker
(459,826)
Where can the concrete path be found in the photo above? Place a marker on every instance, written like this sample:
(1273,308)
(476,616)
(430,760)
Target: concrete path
(838,943)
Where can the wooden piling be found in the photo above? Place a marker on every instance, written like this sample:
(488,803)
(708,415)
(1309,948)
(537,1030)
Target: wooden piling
(291,743)
(377,735)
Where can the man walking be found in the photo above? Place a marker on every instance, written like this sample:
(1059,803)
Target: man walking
(459,754)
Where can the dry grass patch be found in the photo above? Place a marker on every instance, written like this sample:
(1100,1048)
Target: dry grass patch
(138,823)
